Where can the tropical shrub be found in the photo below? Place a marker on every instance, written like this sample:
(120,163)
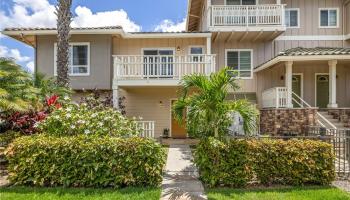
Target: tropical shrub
(85,161)
(204,100)
(95,100)
(292,162)
(74,119)
(222,163)
(7,137)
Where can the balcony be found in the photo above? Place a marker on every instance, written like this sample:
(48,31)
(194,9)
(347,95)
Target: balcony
(247,18)
(159,70)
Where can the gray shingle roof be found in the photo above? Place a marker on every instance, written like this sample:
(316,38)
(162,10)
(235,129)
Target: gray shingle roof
(317,51)
(300,51)
(49,29)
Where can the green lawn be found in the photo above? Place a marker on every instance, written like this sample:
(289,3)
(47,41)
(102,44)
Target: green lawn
(27,193)
(306,193)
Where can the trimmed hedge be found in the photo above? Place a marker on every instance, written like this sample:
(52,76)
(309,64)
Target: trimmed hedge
(293,162)
(83,161)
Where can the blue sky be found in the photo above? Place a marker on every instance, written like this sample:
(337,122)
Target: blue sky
(133,15)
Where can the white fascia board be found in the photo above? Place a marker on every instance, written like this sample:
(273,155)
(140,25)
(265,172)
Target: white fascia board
(167,35)
(301,58)
(54,32)
(247,29)
(310,38)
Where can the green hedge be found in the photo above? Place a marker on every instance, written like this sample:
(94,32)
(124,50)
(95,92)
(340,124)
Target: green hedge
(223,163)
(235,162)
(83,161)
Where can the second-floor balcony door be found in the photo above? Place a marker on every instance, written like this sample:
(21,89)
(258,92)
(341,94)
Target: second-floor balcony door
(158,63)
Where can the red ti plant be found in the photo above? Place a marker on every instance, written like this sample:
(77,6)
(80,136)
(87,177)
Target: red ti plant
(53,101)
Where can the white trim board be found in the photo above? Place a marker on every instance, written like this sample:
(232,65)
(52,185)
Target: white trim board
(311,37)
(327,9)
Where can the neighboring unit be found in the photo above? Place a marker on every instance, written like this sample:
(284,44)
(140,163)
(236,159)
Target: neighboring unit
(292,59)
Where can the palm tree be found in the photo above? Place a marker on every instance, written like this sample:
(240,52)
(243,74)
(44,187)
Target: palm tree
(208,111)
(64,18)
(17,93)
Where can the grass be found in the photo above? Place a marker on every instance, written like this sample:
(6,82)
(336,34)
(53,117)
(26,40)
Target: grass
(28,193)
(296,193)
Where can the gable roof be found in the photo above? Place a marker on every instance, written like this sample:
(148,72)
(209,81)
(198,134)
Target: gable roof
(307,54)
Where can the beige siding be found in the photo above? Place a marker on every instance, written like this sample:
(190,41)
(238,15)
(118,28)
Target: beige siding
(347,18)
(275,77)
(261,52)
(134,46)
(100,60)
(150,103)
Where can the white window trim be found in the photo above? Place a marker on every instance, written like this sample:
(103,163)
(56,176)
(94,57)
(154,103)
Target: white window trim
(328,9)
(251,61)
(256,2)
(294,9)
(196,46)
(88,61)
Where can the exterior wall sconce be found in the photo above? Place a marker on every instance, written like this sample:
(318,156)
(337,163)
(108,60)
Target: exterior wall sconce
(178,48)
(282,78)
(161,104)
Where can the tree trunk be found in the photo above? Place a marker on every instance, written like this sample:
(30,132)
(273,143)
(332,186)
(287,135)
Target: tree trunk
(64,18)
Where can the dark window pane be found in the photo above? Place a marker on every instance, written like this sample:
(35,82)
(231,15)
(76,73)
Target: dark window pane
(293,18)
(232,59)
(332,18)
(248,2)
(233,2)
(324,17)
(80,55)
(245,60)
(196,50)
(287,18)
(150,52)
(244,74)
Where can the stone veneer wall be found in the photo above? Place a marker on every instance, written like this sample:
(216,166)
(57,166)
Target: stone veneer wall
(276,121)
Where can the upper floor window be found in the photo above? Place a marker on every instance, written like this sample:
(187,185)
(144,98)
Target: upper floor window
(196,53)
(292,17)
(241,61)
(79,59)
(240,2)
(328,17)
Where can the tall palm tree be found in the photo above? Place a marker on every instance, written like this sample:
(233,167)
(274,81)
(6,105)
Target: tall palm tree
(17,93)
(208,110)
(64,18)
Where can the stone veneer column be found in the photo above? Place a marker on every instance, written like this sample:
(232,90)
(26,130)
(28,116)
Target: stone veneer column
(332,84)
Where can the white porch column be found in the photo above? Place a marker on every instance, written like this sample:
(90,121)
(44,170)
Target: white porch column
(209,45)
(115,97)
(288,79)
(332,84)
(208,58)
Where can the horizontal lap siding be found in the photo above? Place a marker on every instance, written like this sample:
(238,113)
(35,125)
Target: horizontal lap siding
(145,103)
(134,46)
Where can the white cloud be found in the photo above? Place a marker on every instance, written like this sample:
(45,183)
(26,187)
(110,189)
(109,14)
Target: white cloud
(40,13)
(13,53)
(30,66)
(168,25)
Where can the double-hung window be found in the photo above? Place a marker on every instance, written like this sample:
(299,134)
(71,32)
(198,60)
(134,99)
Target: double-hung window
(240,61)
(292,17)
(196,53)
(79,59)
(329,17)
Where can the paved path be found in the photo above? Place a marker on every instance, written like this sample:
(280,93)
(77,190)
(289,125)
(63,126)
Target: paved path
(180,179)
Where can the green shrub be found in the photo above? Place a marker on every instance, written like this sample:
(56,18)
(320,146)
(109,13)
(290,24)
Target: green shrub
(7,137)
(80,119)
(85,161)
(294,162)
(222,163)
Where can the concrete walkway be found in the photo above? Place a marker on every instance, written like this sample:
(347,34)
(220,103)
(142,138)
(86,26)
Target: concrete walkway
(180,179)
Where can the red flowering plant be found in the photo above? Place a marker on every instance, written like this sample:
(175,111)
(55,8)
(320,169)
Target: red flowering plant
(26,122)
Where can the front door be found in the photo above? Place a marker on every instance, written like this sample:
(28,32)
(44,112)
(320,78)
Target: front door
(322,91)
(296,88)
(178,131)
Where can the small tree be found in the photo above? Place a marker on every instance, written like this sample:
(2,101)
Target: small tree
(208,110)
(64,18)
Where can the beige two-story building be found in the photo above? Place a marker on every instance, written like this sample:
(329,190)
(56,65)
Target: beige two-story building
(290,55)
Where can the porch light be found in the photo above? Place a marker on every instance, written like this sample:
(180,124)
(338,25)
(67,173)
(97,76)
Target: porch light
(178,48)
(282,78)
(161,103)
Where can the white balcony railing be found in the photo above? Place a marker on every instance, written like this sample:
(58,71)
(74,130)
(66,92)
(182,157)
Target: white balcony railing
(275,98)
(147,128)
(161,66)
(247,15)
